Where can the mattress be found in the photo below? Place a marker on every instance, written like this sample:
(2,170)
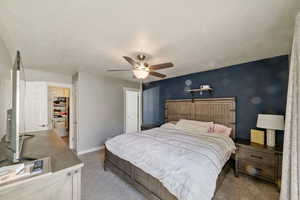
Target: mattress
(186,164)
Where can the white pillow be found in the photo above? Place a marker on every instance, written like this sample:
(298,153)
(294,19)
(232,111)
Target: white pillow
(184,122)
(168,125)
(195,127)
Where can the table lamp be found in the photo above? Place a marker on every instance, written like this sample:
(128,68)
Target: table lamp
(271,123)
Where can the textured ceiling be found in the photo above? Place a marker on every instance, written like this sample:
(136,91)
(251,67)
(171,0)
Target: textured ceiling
(66,36)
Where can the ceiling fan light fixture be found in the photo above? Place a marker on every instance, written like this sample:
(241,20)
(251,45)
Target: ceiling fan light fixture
(141,73)
(142,70)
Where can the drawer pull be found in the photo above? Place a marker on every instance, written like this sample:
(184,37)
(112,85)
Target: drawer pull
(254,156)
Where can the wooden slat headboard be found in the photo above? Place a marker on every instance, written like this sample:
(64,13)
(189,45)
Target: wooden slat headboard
(218,110)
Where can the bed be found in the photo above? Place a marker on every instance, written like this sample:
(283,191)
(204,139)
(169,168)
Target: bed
(218,110)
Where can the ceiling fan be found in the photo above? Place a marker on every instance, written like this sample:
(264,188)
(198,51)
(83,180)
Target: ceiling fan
(141,69)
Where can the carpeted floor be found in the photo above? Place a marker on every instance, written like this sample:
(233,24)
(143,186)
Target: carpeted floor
(98,184)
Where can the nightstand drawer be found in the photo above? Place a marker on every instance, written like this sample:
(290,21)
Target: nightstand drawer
(257,156)
(257,169)
(257,160)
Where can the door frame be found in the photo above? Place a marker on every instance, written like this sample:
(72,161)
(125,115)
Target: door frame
(125,89)
(71,128)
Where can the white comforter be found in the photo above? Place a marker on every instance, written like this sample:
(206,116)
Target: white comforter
(187,165)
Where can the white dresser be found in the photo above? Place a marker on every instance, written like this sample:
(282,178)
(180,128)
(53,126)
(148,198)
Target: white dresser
(64,183)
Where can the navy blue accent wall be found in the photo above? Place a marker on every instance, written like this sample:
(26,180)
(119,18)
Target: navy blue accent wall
(259,87)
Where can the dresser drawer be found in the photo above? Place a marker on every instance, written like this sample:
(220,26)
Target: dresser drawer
(257,169)
(257,156)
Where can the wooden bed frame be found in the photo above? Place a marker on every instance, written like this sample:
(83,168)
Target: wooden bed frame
(218,110)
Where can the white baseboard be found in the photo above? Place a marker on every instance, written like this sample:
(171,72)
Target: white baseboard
(90,150)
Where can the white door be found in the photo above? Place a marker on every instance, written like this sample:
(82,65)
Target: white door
(36,107)
(131,110)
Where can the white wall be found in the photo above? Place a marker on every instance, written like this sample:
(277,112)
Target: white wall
(5,96)
(5,60)
(101,109)
(36,75)
(5,63)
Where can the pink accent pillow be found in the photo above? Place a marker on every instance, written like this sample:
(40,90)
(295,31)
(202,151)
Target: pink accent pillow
(219,128)
(211,128)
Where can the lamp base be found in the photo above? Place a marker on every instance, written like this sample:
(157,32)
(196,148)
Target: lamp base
(271,138)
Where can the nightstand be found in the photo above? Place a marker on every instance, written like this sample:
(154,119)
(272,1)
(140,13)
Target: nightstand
(260,161)
(149,126)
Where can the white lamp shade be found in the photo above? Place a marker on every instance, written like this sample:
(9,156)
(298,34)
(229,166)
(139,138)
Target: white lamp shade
(267,121)
(140,73)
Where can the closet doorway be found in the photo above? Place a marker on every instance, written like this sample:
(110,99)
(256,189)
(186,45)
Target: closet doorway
(59,111)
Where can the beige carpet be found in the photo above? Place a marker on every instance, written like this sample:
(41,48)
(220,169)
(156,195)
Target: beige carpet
(98,184)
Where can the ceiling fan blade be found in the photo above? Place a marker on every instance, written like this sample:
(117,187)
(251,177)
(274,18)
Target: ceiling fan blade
(130,60)
(117,70)
(161,66)
(152,73)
